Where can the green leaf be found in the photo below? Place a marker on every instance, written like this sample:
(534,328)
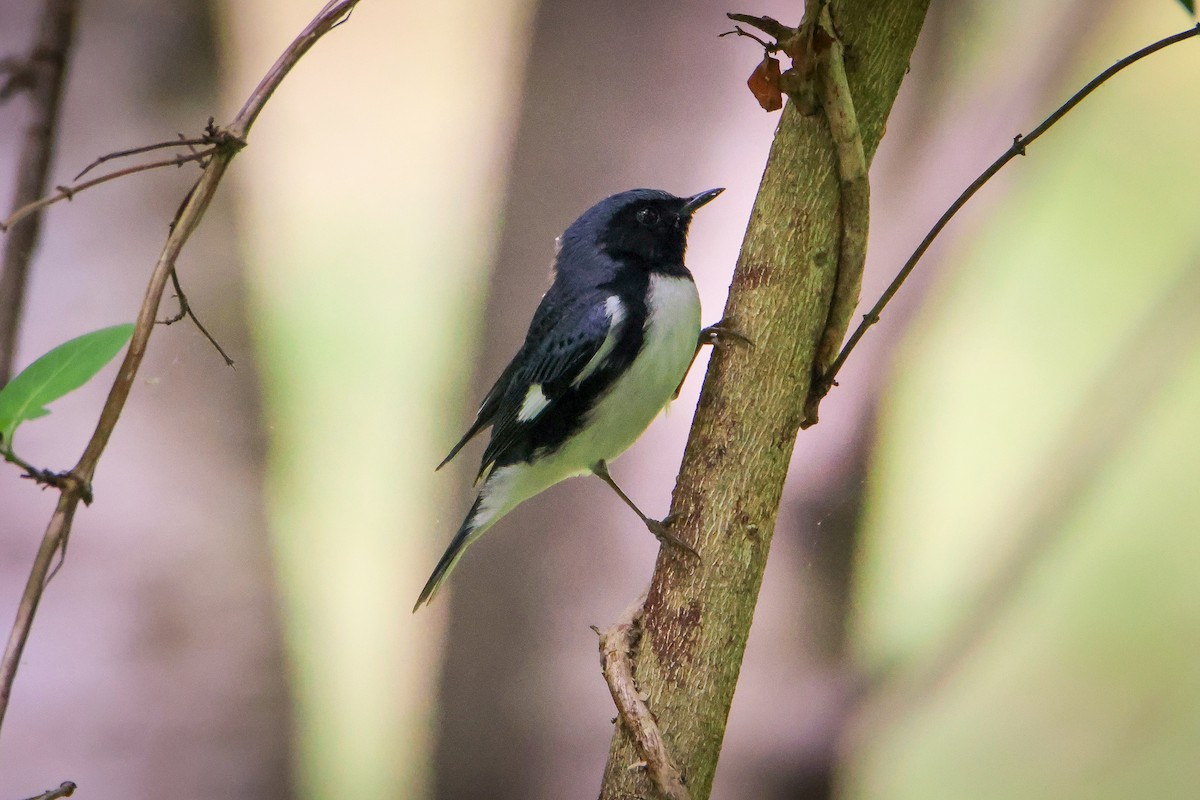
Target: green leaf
(1190,5)
(64,369)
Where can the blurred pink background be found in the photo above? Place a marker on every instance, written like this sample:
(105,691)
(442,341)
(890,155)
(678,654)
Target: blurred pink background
(233,616)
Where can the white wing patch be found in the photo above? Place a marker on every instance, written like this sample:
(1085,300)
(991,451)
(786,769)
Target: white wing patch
(641,391)
(535,403)
(615,310)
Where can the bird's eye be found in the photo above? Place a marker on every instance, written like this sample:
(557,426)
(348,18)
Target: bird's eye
(647,216)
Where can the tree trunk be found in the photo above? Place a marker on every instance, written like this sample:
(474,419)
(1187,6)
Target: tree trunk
(697,615)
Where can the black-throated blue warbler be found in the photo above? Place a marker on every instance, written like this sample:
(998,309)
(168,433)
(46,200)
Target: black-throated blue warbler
(607,349)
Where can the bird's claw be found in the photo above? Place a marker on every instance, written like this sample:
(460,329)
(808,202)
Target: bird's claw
(720,334)
(660,528)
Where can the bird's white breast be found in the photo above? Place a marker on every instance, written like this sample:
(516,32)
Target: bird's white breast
(668,346)
(623,413)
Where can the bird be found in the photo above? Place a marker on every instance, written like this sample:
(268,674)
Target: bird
(608,348)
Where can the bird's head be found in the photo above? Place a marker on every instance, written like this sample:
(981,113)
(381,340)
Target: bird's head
(645,226)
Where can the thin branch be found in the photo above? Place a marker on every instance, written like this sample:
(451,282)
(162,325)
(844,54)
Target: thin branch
(43,73)
(45,477)
(69,192)
(65,789)
(768,25)
(331,16)
(1135,377)
(1020,143)
(186,220)
(616,662)
(855,202)
(146,148)
(185,310)
(770,47)
(56,534)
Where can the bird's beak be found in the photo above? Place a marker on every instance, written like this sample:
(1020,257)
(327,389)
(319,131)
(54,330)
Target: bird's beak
(697,200)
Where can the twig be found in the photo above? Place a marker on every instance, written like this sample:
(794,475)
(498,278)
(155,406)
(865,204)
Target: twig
(65,789)
(146,148)
(770,47)
(59,480)
(1136,376)
(616,662)
(797,82)
(69,192)
(43,73)
(1020,143)
(855,199)
(768,25)
(185,223)
(185,310)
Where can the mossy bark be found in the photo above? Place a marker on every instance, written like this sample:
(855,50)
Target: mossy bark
(697,615)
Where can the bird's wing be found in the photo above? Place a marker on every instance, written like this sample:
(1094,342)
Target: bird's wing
(566,343)
(487,411)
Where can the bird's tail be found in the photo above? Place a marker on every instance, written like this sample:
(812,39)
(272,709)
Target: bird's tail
(472,527)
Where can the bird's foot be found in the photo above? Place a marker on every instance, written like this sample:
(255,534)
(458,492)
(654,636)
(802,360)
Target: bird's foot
(661,530)
(720,334)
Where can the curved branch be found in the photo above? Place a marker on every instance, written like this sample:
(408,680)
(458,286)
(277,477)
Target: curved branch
(182,141)
(1020,143)
(186,220)
(69,192)
(1107,419)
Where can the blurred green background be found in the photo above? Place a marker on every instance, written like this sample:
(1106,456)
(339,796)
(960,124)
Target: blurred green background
(983,579)
(1036,472)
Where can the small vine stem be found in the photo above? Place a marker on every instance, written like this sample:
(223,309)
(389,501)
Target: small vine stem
(1019,145)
